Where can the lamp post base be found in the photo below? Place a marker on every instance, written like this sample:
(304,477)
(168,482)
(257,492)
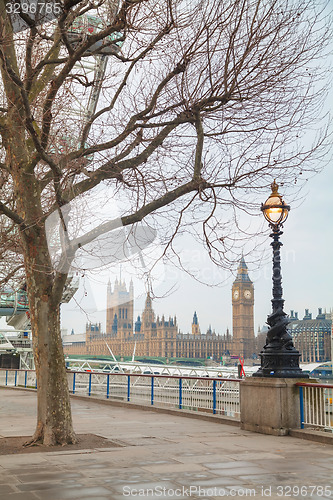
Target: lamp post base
(280,364)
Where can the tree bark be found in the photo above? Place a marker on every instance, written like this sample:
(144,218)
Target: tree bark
(45,287)
(54,420)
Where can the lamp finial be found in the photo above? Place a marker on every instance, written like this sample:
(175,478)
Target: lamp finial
(274,187)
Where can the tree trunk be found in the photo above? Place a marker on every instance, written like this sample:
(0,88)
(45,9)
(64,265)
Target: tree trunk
(45,286)
(54,420)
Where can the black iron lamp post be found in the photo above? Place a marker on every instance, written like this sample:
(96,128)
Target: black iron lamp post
(279,358)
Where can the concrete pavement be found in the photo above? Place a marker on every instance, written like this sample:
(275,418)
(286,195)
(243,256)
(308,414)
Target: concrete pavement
(160,456)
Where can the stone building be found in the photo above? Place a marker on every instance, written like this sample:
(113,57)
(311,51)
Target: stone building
(152,336)
(312,337)
(242,313)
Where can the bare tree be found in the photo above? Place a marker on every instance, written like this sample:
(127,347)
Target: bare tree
(206,102)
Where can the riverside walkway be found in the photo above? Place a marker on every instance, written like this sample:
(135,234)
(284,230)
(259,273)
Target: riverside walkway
(158,456)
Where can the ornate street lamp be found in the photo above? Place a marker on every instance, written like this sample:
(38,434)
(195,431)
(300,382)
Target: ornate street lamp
(279,358)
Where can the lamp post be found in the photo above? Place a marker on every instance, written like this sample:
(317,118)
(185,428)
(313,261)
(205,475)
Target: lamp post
(279,358)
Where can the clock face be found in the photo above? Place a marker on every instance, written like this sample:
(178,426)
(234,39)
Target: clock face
(247,294)
(236,294)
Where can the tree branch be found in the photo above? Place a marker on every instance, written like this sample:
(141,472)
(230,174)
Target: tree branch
(12,215)
(137,216)
(199,148)
(112,170)
(107,109)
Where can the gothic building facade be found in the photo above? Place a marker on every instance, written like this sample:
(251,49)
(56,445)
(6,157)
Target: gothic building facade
(312,337)
(151,336)
(242,313)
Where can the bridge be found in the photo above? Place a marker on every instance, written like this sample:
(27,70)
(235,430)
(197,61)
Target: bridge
(151,368)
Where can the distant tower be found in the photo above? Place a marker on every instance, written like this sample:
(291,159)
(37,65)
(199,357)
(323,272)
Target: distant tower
(195,325)
(119,309)
(148,315)
(242,312)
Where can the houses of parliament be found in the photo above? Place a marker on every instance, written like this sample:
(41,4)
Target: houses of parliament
(153,336)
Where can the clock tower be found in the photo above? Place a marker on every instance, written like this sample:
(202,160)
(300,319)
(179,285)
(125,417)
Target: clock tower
(242,313)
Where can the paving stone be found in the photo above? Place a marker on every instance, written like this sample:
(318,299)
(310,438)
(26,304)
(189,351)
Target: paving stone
(42,486)
(249,456)
(268,479)
(206,483)
(19,496)
(239,471)
(174,468)
(7,479)
(47,476)
(288,465)
(74,493)
(6,489)
(228,464)
(29,469)
(8,461)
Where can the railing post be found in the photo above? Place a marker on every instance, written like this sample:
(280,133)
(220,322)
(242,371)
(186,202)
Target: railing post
(108,386)
(6,377)
(74,382)
(89,393)
(214,396)
(128,387)
(25,378)
(152,390)
(15,378)
(301,406)
(180,394)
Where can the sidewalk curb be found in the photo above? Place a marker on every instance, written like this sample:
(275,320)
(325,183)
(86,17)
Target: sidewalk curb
(312,435)
(220,419)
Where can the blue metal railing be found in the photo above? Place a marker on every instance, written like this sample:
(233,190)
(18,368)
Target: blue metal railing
(108,386)
(18,378)
(90,380)
(316,405)
(128,388)
(217,395)
(152,391)
(74,383)
(301,404)
(180,393)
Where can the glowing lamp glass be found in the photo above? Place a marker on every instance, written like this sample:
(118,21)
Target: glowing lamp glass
(274,209)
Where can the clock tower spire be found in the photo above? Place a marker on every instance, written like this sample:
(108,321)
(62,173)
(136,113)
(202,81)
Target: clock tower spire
(242,312)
